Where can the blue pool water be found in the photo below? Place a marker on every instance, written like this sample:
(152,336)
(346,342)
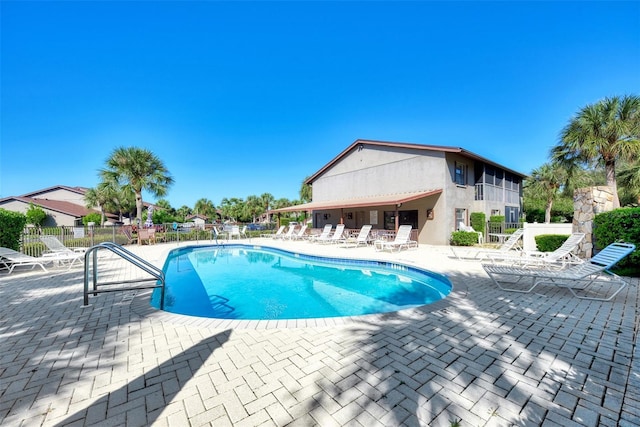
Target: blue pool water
(247,282)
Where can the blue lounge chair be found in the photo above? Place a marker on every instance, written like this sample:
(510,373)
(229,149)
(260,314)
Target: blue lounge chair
(575,278)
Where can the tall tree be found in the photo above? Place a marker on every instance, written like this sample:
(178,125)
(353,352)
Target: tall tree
(267,200)
(205,207)
(305,192)
(602,133)
(629,177)
(137,169)
(546,183)
(98,196)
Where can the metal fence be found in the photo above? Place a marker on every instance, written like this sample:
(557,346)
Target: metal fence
(88,236)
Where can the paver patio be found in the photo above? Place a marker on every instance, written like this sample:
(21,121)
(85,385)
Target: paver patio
(482,356)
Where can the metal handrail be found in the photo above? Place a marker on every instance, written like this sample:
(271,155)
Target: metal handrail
(156,274)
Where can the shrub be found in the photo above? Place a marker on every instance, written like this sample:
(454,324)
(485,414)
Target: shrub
(11,227)
(35,215)
(94,217)
(620,225)
(464,238)
(477,221)
(550,242)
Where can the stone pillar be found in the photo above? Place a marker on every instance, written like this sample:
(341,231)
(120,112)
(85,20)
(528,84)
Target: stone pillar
(587,203)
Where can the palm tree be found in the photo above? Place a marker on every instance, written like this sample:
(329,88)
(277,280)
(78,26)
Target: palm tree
(629,177)
(267,200)
(305,192)
(137,169)
(545,183)
(603,133)
(205,207)
(99,196)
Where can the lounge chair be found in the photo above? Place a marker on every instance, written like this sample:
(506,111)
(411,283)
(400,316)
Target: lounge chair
(243,232)
(300,235)
(509,247)
(335,237)
(559,258)
(288,234)
(59,252)
(323,235)
(276,235)
(578,277)
(402,240)
(11,259)
(470,229)
(361,239)
(54,245)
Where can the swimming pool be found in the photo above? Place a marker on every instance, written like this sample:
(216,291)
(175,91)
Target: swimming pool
(261,283)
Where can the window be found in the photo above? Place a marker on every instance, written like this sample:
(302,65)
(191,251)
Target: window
(461,217)
(404,218)
(461,174)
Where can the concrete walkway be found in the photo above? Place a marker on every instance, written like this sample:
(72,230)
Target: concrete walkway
(481,357)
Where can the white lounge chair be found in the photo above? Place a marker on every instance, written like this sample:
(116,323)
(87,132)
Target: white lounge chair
(288,234)
(277,233)
(559,258)
(402,240)
(326,231)
(335,237)
(11,259)
(59,252)
(470,229)
(54,245)
(300,235)
(509,247)
(578,277)
(361,239)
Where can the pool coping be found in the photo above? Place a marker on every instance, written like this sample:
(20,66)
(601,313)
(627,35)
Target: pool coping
(141,304)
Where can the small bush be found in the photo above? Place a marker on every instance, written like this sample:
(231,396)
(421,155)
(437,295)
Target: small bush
(620,225)
(11,228)
(464,238)
(477,221)
(550,242)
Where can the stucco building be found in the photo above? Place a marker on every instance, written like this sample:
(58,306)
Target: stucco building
(432,188)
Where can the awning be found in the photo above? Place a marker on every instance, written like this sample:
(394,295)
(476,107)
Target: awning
(360,202)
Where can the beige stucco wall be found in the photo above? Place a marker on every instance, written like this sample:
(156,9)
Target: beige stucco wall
(53,219)
(63,195)
(375,171)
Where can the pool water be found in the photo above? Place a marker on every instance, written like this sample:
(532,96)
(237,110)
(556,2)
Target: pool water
(249,282)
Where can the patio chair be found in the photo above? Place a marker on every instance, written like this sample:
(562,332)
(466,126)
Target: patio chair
(147,234)
(54,245)
(578,277)
(11,259)
(323,235)
(276,235)
(362,238)
(335,237)
(243,232)
(301,234)
(129,235)
(288,234)
(509,247)
(402,240)
(559,258)
(470,229)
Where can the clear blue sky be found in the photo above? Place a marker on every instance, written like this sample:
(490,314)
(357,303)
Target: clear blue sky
(243,98)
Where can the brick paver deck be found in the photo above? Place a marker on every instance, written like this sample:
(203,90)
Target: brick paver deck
(482,356)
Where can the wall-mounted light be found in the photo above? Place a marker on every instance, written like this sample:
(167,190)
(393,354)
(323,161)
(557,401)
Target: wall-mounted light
(360,147)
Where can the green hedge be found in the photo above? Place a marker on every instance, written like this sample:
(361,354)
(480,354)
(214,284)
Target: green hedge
(620,225)
(464,238)
(11,228)
(478,220)
(550,242)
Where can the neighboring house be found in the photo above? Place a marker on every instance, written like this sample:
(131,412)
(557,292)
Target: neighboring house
(63,205)
(198,220)
(432,188)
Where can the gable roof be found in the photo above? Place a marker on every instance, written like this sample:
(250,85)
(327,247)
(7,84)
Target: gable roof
(66,208)
(440,148)
(78,190)
(383,200)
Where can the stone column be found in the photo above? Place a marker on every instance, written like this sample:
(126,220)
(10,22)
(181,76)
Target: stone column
(587,203)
